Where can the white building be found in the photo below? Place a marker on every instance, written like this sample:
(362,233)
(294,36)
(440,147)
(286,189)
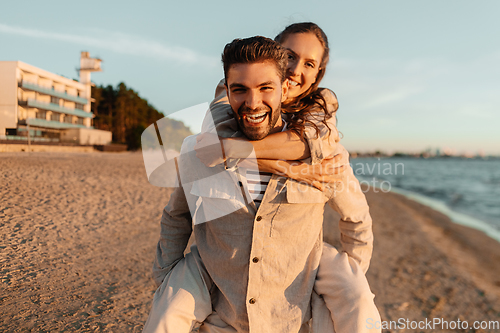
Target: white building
(52,107)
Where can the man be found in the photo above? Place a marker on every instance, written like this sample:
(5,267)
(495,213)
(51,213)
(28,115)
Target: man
(255,263)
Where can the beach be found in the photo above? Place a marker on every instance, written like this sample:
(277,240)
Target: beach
(79,232)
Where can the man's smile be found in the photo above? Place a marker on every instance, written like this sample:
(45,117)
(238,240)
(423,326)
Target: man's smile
(255,118)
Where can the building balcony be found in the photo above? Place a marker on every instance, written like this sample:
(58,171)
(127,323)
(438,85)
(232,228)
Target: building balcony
(36,122)
(55,107)
(52,92)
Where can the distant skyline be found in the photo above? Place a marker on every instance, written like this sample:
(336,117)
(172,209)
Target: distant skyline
(409,75)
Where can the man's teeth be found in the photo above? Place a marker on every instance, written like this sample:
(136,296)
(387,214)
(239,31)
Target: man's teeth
(256,118)
(293,83)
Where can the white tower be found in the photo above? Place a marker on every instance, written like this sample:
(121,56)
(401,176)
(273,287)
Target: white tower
(88,65)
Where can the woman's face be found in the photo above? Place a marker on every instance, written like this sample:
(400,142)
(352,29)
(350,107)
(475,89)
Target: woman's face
(304,58)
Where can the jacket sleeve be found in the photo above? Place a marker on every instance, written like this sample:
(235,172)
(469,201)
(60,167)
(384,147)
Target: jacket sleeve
(355,223)
(176,227)
(322,144)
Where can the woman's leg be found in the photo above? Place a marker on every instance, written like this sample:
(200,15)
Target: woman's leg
(345,290)
(321,318)
(183,299)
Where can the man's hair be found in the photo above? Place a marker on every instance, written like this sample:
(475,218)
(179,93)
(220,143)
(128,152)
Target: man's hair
(252,50)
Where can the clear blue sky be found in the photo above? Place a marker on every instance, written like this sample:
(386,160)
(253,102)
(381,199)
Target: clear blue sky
(409,75)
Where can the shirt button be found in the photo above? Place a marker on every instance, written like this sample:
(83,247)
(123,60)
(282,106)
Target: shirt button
(255,260)
(240,184)
(251,301)
(258,218)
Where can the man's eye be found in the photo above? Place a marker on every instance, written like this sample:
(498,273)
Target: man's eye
(266,88)
(290,57)
(238,91)
(310,64)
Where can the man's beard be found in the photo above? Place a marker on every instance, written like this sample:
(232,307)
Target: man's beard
(249,131)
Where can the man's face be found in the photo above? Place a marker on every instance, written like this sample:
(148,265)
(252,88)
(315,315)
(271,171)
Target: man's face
(255,93)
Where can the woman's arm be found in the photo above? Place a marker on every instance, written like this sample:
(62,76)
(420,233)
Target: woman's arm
(319,175)
(287,145)
(322,143)
(213,150)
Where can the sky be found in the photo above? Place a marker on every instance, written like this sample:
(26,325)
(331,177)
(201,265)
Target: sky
(409,75)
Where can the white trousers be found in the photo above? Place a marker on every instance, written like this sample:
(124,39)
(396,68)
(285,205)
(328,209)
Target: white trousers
(343,286)
(341,302)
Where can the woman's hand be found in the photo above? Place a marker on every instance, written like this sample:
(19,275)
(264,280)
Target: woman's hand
(320,175)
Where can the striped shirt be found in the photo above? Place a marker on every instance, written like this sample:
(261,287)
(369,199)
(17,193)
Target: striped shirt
(257,183)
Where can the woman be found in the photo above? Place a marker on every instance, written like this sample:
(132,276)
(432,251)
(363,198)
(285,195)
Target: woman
(311,133)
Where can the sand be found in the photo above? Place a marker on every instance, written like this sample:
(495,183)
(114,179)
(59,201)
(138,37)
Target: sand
(79,231)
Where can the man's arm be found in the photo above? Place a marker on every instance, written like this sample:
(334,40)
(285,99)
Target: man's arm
(176,227)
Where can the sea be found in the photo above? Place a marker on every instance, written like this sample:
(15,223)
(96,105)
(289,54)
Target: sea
(467,190)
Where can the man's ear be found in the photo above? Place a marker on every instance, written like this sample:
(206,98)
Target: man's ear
(284,90)
(227,90)
(220,89)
